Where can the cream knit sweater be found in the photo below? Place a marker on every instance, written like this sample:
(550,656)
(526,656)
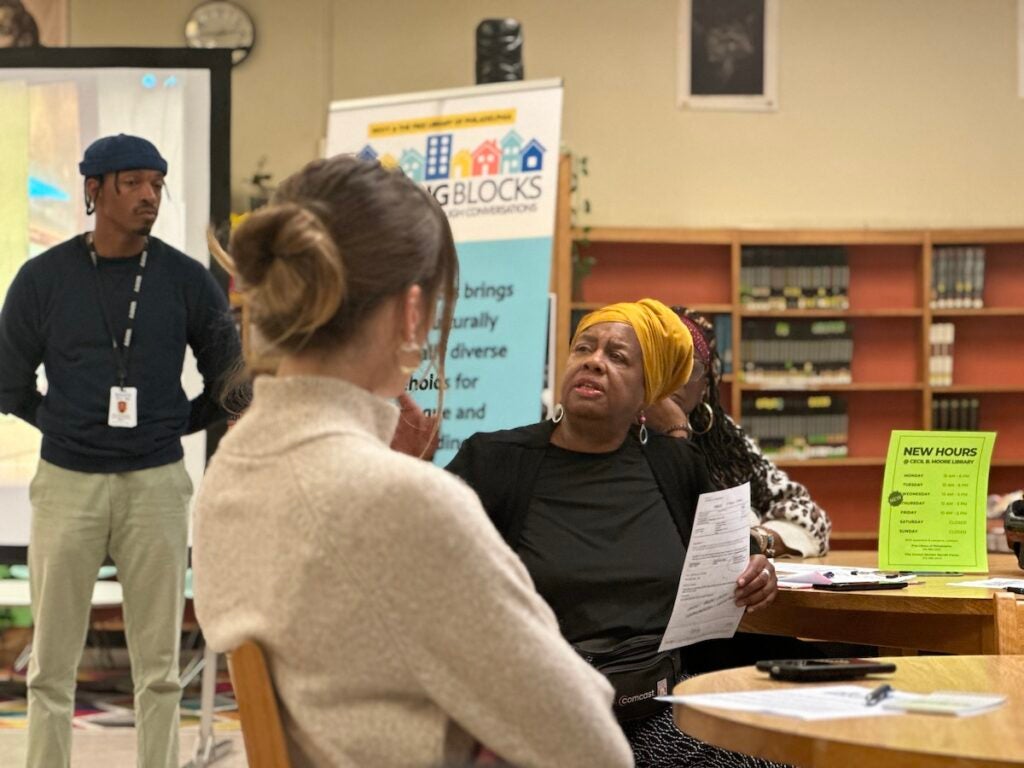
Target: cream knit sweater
(399,627)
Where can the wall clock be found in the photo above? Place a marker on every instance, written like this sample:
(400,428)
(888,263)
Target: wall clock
(221,24)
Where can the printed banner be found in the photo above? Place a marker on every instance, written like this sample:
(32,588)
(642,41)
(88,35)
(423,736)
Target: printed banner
(489,156)
(933,501)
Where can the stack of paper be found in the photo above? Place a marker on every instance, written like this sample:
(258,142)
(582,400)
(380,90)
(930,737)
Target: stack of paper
(830,702)
(719,550)
(995,583)
(833,702)
(806,575)
(945,703)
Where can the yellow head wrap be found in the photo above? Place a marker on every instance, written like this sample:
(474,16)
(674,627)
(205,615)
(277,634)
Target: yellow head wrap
(666,343)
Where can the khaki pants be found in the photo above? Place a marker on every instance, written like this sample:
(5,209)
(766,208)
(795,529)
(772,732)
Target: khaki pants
(141,519)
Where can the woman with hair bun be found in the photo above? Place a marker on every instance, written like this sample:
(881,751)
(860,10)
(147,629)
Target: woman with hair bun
(400,630)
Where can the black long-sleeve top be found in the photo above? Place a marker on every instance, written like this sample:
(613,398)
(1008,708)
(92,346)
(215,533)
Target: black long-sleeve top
(53,315)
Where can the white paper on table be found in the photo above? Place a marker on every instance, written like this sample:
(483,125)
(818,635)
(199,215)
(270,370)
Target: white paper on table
(945,703)
(832,702)
(800,574)
(990,583)
(718,552)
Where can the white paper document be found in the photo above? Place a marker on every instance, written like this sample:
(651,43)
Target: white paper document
(945,703)
(989,583)
(832,702)
(718,552)
(803,575)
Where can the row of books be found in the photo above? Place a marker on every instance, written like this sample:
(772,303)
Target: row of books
(797,427)
(794,277)
(955,413)
(797,352)
(958,277)
(723,335)
(940,356)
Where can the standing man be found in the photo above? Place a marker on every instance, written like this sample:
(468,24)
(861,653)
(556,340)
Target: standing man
(109,314)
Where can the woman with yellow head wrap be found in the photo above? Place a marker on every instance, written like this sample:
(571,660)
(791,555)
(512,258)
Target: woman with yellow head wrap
(599,508)
(666,343)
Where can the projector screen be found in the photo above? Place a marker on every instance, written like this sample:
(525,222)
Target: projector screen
(49,113)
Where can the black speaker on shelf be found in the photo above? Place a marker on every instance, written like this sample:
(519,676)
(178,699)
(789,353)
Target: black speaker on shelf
(499,51)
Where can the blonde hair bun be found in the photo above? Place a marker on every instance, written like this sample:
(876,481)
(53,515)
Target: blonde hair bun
(291,269)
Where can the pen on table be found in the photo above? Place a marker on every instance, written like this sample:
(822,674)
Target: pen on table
(879,693)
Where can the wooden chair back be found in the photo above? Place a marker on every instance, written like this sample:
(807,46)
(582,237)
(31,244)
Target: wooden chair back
(265,745)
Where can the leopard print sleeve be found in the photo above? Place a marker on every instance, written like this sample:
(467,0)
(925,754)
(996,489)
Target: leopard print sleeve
(792,503)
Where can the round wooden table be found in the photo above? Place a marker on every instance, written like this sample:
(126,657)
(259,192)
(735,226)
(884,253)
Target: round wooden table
(995,738)
(929,615)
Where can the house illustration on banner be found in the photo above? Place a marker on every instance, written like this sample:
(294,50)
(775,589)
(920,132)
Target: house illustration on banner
(511,145)
(411,164)
(367,153)
(533,156)
(439,154)
(462,164)
(486,159)
(388,161)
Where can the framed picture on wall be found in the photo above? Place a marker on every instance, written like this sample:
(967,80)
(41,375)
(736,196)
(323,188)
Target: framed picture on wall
(30,23)
(728,54)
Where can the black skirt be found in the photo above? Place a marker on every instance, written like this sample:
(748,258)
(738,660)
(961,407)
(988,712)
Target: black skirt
(658,743)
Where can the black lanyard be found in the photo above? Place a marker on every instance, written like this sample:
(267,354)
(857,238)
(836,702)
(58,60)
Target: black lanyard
(123,350)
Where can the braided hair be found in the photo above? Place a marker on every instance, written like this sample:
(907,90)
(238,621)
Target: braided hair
(731,461)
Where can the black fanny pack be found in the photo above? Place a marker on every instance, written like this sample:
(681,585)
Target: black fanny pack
(637,671)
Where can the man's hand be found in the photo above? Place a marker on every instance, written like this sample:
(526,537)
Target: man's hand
(757,586)
(417,433)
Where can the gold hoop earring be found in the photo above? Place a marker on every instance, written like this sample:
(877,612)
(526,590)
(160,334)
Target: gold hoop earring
(407,352)
(711,419)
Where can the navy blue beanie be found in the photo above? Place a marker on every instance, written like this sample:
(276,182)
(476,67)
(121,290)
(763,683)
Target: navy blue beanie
(121,153)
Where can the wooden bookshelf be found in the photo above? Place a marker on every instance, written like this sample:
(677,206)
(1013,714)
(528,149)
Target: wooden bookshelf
(875,387)
(653,235)
(865,461)
(955,313)
(705,309)
(889,294)
(830,313)
(958,389)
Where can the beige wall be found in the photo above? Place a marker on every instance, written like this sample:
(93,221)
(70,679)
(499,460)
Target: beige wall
(279,93)
(892,112)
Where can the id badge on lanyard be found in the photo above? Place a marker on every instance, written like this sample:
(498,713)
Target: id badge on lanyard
(124,409)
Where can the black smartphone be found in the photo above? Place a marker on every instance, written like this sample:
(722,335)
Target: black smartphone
(858,586)
(817,670)
(1015,590)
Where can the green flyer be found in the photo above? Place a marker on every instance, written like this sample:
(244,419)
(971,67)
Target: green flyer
(933,501)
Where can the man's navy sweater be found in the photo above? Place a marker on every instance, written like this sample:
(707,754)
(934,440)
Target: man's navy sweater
(52,316)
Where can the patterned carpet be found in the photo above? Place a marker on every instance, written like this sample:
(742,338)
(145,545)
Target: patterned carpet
(103,700)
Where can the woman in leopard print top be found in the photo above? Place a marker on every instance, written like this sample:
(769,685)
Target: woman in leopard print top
(781,506)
